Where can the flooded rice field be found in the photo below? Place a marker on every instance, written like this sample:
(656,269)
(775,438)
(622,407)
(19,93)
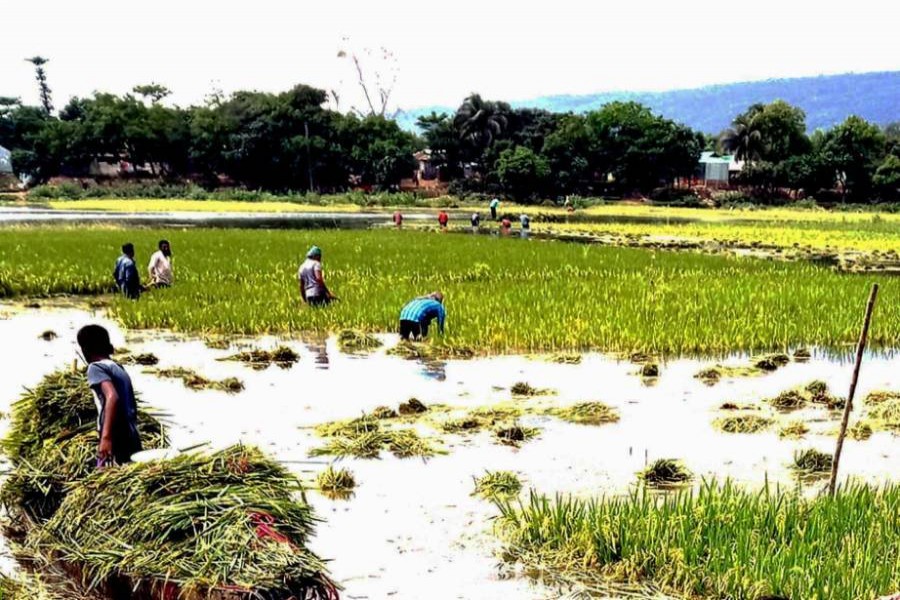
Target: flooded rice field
(418,518)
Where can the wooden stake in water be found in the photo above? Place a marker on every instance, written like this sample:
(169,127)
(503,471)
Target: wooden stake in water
(863,336)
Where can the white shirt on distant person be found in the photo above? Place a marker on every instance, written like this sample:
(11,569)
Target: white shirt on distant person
(160,269)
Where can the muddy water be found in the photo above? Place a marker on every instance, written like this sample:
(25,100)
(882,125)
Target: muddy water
(412,530)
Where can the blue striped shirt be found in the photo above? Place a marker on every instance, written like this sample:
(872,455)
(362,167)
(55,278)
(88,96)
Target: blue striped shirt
(424,310)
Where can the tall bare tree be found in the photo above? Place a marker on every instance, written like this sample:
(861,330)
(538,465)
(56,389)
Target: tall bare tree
(376,72)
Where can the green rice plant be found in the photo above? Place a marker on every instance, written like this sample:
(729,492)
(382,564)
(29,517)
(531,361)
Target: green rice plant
(406,443)
(586,413)
(811,462)
(348,427)
(610,299)
(513,434)
(365,444)
(367,441)
(26,586)
(719,541)
(336,483)
(771,362)
(665,472)
(353,340)
(743,423)
(230,519)
(217,343)
(497,484)
(816,388)
(794,429)
(52,443)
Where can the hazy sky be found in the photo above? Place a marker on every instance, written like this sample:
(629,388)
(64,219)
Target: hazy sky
(505,50)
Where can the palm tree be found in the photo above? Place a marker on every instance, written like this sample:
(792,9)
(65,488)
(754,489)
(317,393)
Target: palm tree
(743,139)
(480,121)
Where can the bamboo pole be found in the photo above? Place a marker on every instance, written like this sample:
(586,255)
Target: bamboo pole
(860,348)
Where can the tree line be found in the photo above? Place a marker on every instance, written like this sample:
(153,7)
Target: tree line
(291,141)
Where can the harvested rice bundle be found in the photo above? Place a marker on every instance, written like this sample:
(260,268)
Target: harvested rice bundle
(811,462)
(147,359)
(336,483)
(283,356)
(743,423)
(53,441)
(228,520)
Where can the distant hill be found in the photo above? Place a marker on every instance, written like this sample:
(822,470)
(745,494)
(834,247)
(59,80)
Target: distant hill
(827,100)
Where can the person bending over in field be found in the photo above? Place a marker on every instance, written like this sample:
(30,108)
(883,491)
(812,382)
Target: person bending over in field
(114,396)
(418,314)
(126,274)
(160,267)
(312,283)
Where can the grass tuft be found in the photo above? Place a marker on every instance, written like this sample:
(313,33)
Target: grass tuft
(336,483)
(744,423)
(354,340)
(497,484)
(811,462)
(283,356)
(513,434)
(665,472)
(793,430)
(49,335)
(586,413)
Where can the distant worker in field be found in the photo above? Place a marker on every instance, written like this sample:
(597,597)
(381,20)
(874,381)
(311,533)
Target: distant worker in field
(443,219)
(312,282)
(495,205)
(525,221)
(160,267)
(417,315)
(128,280)
(398,219)
(476,222)
(114,397)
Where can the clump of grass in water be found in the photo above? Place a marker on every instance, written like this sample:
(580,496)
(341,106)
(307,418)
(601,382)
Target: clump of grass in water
(794,429)
(745,423)
(766,536)
(771,362)
(811,462)
(665,472)
(146,359)
(565,358)
(525,389)
(217,343)
(788,400)
(49,335)
(885,413)
(513,434)
(497,484)
(860,431)
(364,438)
(336,483)
(802,355)
(195,381)
(384,412)
(413,406)
(586,413)
(283,356)
(735,406)
(427,351)
(353,340)
(650,369)
(880,397)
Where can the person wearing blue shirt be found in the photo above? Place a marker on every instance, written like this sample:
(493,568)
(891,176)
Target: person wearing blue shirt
(128,280)
(418,314)
(114,396)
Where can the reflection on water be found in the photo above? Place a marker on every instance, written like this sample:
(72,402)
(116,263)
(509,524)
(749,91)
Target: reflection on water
(413,530)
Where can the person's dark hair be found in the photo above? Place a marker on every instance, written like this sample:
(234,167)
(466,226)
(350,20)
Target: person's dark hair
(94,341)
(161,242)
(128,248)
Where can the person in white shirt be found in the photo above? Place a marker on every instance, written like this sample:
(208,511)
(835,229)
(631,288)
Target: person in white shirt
(161,266)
